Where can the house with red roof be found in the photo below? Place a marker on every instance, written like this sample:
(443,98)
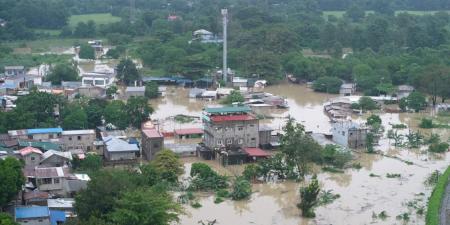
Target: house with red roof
(31,156)
(152,140)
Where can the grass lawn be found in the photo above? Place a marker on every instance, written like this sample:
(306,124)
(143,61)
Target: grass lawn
(435,200)
(44,44)
(98,18)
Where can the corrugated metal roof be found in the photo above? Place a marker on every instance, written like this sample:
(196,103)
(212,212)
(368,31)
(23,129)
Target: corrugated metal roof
(228,109)
(41,145)
(32,212)
(28,150)
(256,152)
(44,130)
(231,118)
(188,131)
(114,144)
(152,133)
(135,89)
(77,132)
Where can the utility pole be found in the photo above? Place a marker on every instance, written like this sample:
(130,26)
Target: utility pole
(225,24)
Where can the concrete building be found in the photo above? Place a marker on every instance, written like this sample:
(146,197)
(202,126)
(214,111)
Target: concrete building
(78,139)
(118,150)
(134,91)
(98,79)
(152,142)
(347,89)
(239,82)
(265,136)
(91,91)
(14,71)
(52,158)
(228,126)
(39,134)
(51,179)
(349,134)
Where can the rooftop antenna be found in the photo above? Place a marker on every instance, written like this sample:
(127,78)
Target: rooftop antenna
(225,24)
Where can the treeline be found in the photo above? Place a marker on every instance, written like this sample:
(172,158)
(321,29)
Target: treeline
(40,109)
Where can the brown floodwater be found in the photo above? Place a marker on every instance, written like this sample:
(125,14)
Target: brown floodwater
(363,192)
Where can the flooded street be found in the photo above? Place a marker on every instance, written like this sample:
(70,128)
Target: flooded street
(363,192)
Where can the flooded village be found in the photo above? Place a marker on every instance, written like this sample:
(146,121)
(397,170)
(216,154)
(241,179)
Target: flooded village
(323,119)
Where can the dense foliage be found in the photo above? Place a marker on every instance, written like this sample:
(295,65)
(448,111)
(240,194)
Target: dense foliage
(12,180)
(308,198)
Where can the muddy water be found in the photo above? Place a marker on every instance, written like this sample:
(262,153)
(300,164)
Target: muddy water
(362,195)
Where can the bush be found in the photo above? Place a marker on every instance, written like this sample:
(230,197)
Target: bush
(233,97)
(151,90)
(334,156)
(426,123)
(366,103)
(206,179)
(438,147)
(242,189)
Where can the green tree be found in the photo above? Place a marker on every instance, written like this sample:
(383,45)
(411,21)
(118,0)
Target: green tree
(233,97)
(299,148)
(138,110)
(370,140)
(35,110)
(86,52)
(76,119)
(168,164)
(241,189)
(12,179)
(115,113)
(112,90)
(327,84)
(127,71)
(308,198)
(91,163)
(148,206)
(100,196)
(366,103)
(6,219)
(151,90)
(373,119)
(62,72)
(94,113)
(416,101)
(355,13)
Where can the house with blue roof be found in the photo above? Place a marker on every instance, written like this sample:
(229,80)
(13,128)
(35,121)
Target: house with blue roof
(38,215)
(37,134)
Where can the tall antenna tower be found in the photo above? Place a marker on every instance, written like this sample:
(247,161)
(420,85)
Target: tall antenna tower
(225,24)
(132,11)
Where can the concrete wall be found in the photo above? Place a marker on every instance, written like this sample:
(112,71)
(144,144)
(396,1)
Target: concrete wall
(51,186)
(83,141)
(242,133)
(117,156)
(54,161)
(34,221)
(264,137)
(32,159)
(150,146)
(45,137)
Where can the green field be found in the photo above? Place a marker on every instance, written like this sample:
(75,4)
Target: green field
(340,14)
(98,18)
(435,200)
(44,44)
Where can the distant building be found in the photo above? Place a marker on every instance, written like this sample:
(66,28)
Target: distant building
(240,82)
(62,204)
(31,156)
(14,71)
(205,36)
(347,89)
(403,91)
(98,79)
(38,215)
(118,150)
(135,91)
(78,139)
(38,134)
(152,141)
(349,134)
(51,179)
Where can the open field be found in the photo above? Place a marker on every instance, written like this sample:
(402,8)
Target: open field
(340,14)
(98,18)
(44,44)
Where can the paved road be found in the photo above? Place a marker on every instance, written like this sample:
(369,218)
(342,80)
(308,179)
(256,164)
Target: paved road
(445,208)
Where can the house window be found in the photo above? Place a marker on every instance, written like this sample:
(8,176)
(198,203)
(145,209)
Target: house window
(79,137)
(219,129)
(30,136)
(50,136)
(32,158)
(229,141)
(343,133)
(219,142)
(240,128)
(97,147)
(253,139)
(89,148)
(46,181)
(56,180)
(155,145)
(252,125)
(241,141)
(70,138)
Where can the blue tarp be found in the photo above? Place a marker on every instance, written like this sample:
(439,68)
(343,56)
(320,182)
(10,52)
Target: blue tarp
(32,212)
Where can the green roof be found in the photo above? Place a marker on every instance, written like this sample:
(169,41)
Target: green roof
(228,109)
(45,146)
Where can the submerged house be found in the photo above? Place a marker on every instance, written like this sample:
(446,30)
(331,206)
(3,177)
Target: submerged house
(118,150)
(347,89)
(231,135)
(152,142)
(403,91)
(349,134)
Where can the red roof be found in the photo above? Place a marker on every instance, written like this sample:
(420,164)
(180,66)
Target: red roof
(28,150)
(189,131)
(231,118)
(152,133)
(256,152)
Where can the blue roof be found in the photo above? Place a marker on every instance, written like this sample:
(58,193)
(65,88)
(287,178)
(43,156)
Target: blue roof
(57,216)
(8,86)
(44,130)
(32,212)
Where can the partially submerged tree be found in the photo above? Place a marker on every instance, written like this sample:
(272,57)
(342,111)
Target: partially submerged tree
(308,198)
(233,97)
(62,72)
(167,163)
(242,189)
